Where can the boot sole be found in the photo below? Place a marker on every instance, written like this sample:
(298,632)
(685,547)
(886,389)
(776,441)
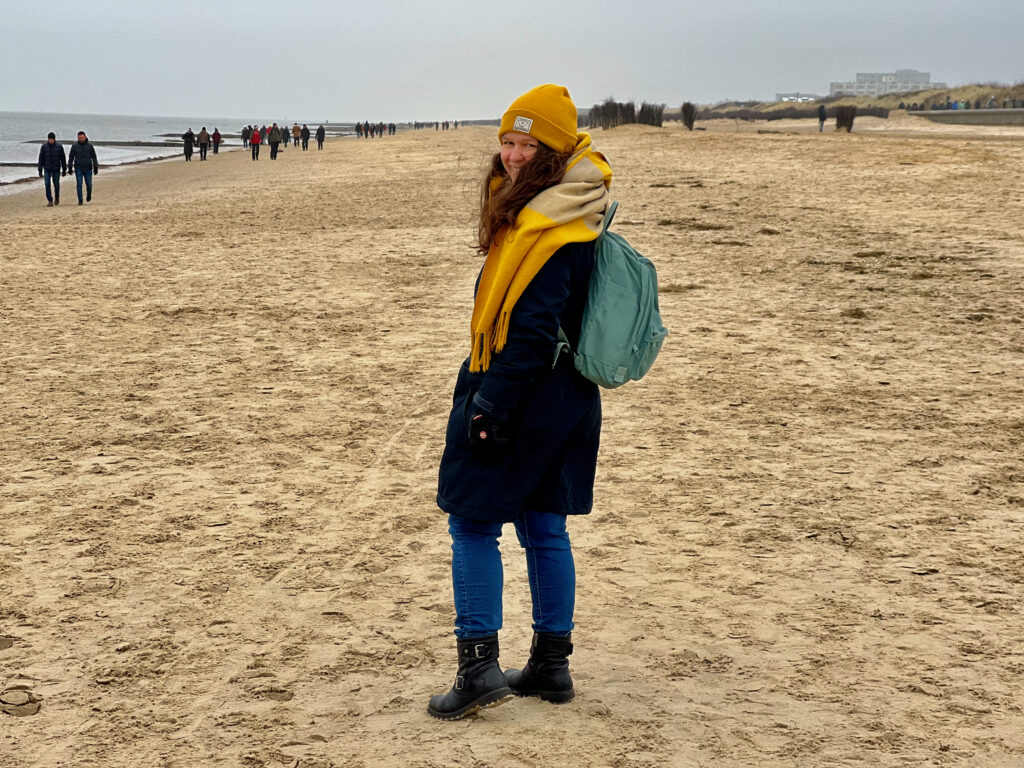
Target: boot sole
(492,699)
(555,697)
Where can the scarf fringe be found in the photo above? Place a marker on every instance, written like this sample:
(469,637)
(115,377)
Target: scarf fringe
(480,357)
(501,329)
(484,344)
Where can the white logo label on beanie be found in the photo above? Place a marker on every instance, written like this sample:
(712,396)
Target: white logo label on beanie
(522,124)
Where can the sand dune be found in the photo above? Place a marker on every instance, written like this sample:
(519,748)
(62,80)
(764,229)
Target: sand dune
(225,386)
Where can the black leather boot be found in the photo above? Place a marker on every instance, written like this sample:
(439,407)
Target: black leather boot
(478,684)
(546,674)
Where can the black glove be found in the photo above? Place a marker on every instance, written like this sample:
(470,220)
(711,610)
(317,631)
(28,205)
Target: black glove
(40,174)
(485,431)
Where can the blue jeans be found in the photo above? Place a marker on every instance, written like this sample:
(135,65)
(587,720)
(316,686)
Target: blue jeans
(477,575)
(79,175)
(54,178)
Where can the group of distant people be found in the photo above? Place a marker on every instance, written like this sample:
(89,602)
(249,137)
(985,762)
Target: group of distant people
(437,126)
(965,104)
(365,130)
(203,139)
(53,164)
(254,137)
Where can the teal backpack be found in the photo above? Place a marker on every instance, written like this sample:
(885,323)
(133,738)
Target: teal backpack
(622,331)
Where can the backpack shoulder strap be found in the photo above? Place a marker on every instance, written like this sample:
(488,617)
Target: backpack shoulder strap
(608,216)
(563,340)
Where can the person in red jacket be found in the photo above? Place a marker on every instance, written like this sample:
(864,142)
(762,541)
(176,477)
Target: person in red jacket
(254,142)
(216,140)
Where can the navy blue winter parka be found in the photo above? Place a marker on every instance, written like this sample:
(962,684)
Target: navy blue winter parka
(551,414)
(83,157)
(52,158)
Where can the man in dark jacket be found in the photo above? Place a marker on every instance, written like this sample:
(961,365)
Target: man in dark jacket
(82,160)
(274,139)
(822,117)
(52,163)
(320,134)
(304,135)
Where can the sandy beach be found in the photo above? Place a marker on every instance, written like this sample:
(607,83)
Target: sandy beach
(225,386)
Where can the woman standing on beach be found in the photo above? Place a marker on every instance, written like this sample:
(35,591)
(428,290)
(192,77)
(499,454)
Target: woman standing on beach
(522,438)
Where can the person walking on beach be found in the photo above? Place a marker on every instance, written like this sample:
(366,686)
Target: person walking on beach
(522,436)
(216,139)
(246,133)
(822,117)
(304,135)
(204,143)
(296,134)
(52,165)
(82,160)
(254,143)
(274,137)
(188,138)
(320,135)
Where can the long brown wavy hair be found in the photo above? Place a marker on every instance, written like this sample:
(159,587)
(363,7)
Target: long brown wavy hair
(545,169)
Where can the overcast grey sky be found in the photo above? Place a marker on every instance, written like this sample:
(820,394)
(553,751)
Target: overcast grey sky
(461,59)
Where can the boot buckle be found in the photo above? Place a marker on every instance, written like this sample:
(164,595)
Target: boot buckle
(480,650)
(460,683)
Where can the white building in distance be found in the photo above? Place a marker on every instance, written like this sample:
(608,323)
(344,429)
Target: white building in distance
(881,83)
(798,97)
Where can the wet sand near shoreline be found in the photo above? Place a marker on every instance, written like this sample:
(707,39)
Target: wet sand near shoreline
(225,389)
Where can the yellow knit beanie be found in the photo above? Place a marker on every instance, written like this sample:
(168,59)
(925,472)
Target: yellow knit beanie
(546,113)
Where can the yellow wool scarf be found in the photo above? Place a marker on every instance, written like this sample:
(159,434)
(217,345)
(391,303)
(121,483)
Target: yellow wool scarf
(571,211)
